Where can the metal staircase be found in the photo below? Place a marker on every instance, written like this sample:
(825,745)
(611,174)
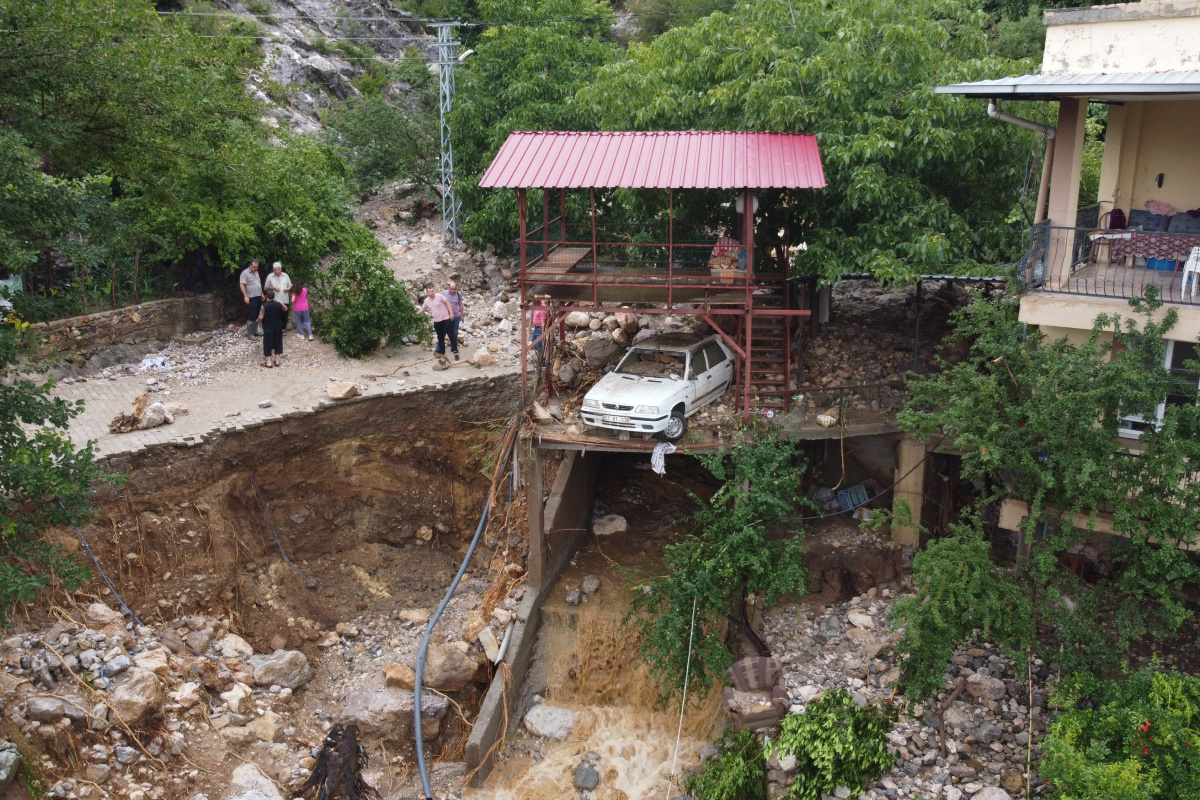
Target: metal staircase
(770,350)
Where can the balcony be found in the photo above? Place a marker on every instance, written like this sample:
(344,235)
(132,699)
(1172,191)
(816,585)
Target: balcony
(1109,263)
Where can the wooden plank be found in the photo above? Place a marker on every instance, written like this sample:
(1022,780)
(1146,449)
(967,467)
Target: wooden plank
(910,487)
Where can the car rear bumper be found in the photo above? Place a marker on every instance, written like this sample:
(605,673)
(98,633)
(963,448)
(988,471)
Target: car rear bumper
(636,424)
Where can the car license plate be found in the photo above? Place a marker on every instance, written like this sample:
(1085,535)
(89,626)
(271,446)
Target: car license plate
(614,418)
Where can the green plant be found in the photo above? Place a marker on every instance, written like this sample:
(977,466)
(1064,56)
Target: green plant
(361,303)
(263,10)
(960,592)
(836,743)
(738,773)
(45,481)
(727,554)
(1037,421)
(1131,739)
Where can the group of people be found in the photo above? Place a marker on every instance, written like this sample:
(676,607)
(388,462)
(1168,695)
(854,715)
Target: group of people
(446,309)
(267,306)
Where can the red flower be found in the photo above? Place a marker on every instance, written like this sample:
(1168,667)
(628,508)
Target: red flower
(1145,752)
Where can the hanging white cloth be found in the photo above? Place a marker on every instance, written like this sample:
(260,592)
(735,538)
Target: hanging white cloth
(658,459)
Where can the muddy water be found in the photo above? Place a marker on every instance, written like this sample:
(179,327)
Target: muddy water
(588,653)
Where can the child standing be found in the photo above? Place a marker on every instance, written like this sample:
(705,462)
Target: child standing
(303,320)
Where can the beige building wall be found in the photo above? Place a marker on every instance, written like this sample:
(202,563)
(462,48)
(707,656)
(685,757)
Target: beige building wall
(1151,36)
(1070,317)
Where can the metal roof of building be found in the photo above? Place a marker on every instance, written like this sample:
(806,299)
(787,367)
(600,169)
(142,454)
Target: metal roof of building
(1134,86)
(657,160)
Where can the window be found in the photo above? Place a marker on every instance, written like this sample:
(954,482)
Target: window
(715,354)
(698,365)
(1185,388)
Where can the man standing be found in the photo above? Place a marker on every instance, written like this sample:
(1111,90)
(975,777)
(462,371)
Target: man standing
(282,284)
(456,307)
(438,307)
(251,286)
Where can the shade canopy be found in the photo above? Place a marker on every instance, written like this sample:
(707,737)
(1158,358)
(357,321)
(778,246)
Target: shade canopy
(656,160)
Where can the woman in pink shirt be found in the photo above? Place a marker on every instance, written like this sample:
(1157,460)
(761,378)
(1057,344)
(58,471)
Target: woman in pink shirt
(300,306)
(540,312)
(438,307)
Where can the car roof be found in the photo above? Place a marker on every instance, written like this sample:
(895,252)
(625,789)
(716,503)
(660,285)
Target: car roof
(674,341)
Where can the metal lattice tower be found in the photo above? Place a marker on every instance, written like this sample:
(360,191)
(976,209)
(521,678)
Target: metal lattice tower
(445,63)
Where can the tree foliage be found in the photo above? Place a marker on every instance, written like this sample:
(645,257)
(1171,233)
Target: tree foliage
(738,773)
(836,743)
(917,182)
(1132,739)
(728,554)
(45,481)
(521,78)
(1038,420)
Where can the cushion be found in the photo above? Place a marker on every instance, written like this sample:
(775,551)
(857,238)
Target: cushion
(1183,223)
(1140,219)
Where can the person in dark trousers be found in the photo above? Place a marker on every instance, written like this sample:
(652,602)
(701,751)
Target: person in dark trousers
(456,308)
(272,316)
(438,307)
(251,286)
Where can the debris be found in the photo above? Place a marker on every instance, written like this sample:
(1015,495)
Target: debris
(343,390)
(609,524)
(339,768)
(550,722)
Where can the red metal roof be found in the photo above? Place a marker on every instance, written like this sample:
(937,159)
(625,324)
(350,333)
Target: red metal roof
(657,160)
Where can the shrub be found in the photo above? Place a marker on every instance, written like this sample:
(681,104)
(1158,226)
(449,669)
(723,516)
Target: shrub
(739,773)
(835,743)
(360,302)
(1126,739)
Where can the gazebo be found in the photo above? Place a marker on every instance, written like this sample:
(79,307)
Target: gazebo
(708,269)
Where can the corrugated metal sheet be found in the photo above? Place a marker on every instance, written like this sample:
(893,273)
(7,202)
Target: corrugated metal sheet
(657,160)
(1140,84)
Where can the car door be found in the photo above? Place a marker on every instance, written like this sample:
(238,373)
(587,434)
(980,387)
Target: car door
(720,368)
(701,378)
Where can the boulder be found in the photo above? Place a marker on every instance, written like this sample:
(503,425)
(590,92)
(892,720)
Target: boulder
(177,409)
(449,667)
(985,687)
(138,696)
(860,620)
(400,676)
(991,793)
(248,782)
(483,358)
(286,668)
(98,616)
(620,338)
(187,695)
(472,626)
(590,584)
(499,310)
(237,698)
(10,762)
(601,351)
(587,777)
(578,319)
(491,648)
(233,646)
(53,709)
(628,322)
(550,722)
(155,661)
(388,713)
(609,524)
(154,415)
(267,728)
(343,390)
(567,375)
(417,616)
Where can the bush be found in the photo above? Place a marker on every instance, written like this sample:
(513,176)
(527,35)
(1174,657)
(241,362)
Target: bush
(740,773)
(361,302)
(1127,739)
(835,743)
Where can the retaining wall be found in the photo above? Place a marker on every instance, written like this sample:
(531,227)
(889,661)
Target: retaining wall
(81,337)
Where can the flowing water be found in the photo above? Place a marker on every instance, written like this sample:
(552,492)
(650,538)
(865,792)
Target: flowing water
(588,655)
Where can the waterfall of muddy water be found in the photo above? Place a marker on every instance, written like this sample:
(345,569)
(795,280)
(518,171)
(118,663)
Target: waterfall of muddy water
(589,653)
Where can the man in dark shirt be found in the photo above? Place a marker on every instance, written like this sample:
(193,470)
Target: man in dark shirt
(272,315)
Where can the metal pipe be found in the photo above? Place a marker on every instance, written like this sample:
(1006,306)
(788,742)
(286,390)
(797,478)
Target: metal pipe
(504,644)
(1051,133)
(421,653)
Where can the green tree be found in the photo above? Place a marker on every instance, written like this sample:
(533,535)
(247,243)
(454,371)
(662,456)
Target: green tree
(390,134)
(918,182)
(728,554)
(45,481)
(1038,420)
(521,78)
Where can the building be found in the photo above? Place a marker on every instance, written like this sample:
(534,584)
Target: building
(1088,255)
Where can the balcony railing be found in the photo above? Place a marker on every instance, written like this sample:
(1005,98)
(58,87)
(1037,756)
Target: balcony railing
(1109,263)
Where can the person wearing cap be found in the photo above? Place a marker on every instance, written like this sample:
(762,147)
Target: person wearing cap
(282,284)
(252,294)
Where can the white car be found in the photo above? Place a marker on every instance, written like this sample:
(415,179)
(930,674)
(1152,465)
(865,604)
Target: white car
(659,383)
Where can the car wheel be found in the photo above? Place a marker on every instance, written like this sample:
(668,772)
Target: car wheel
(676,426)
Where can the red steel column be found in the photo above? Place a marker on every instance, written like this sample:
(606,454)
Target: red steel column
(595,257)
(670,245)
(521,209)
(748,243)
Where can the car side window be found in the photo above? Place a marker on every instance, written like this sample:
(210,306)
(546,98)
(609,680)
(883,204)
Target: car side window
(715,353)
(699,367)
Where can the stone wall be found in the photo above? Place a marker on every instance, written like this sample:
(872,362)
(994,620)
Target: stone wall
(82,336)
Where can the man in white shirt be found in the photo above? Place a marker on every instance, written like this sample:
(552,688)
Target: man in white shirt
(282,284)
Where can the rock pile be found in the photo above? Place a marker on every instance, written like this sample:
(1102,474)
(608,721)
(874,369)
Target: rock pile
(848,645)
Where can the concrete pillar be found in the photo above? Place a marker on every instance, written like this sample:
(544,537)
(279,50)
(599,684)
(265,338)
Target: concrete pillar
(1064,187)
(536,563)
(910,487)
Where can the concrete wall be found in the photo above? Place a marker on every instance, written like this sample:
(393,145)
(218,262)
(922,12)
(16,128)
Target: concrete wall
(567,519)
(1152,36)
(82,336)
(1059,313)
